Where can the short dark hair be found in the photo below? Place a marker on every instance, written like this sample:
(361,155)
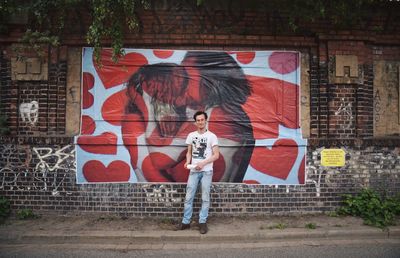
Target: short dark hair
(198,113)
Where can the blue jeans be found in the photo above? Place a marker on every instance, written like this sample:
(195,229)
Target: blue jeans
(205,177)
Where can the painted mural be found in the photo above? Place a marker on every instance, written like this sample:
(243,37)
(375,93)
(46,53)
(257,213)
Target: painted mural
(137,113)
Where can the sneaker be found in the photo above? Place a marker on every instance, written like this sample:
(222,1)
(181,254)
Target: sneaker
(203,228)
(182,226)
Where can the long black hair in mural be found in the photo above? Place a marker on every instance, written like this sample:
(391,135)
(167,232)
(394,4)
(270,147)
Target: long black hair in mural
(137,113)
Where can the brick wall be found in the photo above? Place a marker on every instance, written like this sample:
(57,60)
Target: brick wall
(37,163)
(50,95)
(364,98)
(30,181)
(342,115)
(5,91)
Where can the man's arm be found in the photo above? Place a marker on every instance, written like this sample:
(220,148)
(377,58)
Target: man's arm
(188,156)
(214,157)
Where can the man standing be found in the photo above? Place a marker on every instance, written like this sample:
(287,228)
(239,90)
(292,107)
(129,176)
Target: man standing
(202,152)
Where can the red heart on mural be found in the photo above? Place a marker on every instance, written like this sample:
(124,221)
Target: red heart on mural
(87,97)
(302,171)
(113,74)
(105,143)
(116,171)
(277,161)
(163,53)
(244,57)
(251,182)
(88,125)
(114,107)
(283,62)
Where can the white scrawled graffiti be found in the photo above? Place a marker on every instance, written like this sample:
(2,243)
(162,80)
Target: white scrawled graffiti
(317,182)
(345,110)
(314,174)
(15,166)
(233,188)
(50,161)
(161,193)
(29,112)
(321,175)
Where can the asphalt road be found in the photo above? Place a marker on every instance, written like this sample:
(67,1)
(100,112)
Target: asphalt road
(367,249)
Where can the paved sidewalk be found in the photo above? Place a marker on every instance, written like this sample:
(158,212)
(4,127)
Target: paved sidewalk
(150,234)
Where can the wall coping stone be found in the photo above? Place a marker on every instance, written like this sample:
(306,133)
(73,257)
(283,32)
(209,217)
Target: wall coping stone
(37,140)
(355,142)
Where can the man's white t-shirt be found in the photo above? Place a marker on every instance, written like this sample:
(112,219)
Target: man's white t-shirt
(202,147)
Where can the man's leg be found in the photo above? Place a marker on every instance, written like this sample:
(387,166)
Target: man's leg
(205,195)
(191,188)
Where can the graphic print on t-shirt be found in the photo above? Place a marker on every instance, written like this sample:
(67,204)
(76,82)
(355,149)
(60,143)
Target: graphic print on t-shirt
(199,147)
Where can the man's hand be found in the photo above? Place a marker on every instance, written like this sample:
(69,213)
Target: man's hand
(200,165)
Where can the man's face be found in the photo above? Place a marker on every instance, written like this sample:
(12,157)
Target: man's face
(201,122)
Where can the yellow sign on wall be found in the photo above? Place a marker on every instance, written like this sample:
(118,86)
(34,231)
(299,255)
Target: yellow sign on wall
(333,158)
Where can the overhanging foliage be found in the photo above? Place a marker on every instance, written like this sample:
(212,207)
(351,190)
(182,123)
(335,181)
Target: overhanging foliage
(108,20)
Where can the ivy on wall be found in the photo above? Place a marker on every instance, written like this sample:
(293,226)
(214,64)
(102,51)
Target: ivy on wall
(47,20)
(109,20)
(106,21)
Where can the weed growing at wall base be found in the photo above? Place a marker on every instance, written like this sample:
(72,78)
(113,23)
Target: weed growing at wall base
(374,209)
(311,225)
(280,226)
(26,214)
(4,208)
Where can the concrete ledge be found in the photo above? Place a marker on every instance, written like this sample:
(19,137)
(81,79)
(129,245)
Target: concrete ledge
(166,238)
